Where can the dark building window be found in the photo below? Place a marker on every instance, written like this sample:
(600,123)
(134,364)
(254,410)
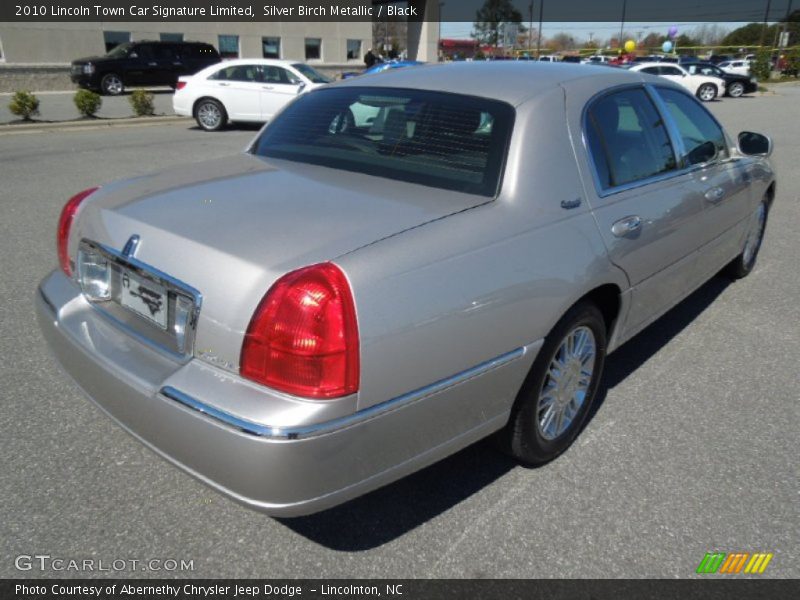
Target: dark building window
(313,48)
(113,39)
(171,37)
(229,46)
(353,49)
(271,47)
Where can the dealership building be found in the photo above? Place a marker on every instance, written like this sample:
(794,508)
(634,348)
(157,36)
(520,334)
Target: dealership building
(36,55)
(336,44)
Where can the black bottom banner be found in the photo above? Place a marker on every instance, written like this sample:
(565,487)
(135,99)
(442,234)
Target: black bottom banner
(405,589)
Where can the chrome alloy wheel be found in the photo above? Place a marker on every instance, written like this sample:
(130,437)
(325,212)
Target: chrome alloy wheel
(112,85)
(567,383)
(736,89)
(209,115)
(707,93)
(754,236)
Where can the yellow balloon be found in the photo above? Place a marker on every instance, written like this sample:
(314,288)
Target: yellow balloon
(630,46)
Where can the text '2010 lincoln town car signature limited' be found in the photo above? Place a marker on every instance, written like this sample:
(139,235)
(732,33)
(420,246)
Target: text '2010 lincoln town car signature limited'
(398,266)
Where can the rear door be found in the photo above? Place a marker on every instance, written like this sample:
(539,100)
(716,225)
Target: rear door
(646,208)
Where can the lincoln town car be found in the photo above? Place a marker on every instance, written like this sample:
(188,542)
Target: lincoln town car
(397,267)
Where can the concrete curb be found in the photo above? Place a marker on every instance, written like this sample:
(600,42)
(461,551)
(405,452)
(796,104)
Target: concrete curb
(22,128)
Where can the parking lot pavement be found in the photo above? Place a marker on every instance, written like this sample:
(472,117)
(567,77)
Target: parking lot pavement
(693,449)
(59,106)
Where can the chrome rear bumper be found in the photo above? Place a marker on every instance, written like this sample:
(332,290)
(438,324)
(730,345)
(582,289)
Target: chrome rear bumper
(290,469)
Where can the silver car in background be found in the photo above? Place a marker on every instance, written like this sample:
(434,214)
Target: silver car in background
(397,267)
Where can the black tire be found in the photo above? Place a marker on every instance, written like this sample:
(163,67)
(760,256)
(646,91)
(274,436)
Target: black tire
(524,437)
(210,114)
(111,84)
(743,265)
(736,89)
(707,92)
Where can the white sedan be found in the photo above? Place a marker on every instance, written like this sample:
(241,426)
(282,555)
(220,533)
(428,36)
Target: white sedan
(706,88)
(248,90)
(736,67)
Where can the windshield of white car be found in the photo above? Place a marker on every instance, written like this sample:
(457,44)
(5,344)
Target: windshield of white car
(312,74)
(442,140)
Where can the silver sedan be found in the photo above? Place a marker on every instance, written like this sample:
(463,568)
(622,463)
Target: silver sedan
(395,268)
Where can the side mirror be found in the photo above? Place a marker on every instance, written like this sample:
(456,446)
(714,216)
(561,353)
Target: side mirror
(754,144)
(132,54)
(301,87)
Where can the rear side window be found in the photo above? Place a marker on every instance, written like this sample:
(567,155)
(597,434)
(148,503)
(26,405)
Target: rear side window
(695,125)
(626,138)
(436,139)
(247,73)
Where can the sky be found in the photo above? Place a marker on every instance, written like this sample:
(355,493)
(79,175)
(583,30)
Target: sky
(581,31)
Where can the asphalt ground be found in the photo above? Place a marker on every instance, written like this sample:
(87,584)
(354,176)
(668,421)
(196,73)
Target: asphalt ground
(693,447)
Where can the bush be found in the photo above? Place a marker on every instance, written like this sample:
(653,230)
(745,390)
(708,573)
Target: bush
(24,104)
(142,102)
(87,102)
(762,65)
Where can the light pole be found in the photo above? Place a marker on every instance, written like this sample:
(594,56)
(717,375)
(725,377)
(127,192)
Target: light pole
(622,25)
(539,37)
(530,27)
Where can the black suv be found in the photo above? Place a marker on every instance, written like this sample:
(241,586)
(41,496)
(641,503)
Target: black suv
(142,63)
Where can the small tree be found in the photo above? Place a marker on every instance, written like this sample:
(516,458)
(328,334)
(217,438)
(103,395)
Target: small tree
(762,66)
(24,104)
(142,102)
(87,102)
(490,19)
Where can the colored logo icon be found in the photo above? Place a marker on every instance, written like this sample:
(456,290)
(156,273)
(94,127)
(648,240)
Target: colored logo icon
(733,563)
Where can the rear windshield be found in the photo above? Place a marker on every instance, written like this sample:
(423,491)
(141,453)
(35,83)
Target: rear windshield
(436,139)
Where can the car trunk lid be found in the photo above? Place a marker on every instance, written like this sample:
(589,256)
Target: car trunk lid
(230,227)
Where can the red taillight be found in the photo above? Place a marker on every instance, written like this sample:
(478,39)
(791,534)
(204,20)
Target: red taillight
(180,85)
(303,337)
(65,224)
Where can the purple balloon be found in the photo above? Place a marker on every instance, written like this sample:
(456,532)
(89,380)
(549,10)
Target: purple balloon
(673,31)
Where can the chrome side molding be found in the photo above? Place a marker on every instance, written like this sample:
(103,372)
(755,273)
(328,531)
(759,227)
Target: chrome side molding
(318,429)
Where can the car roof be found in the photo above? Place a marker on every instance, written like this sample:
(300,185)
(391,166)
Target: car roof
(257,61)
(509,81)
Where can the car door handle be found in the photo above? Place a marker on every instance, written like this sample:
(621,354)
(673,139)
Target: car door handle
(152,64)
(626,226)
(715,194)
(223,84)
(267,87)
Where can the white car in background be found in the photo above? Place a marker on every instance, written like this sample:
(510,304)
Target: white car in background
(596,59)
(706,88)
(246,90)
(736,67)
